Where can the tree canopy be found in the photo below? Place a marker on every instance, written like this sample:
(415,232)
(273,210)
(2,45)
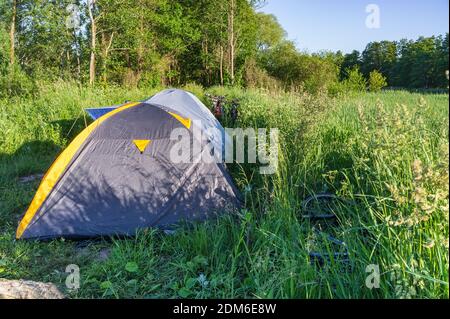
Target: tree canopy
(210,42)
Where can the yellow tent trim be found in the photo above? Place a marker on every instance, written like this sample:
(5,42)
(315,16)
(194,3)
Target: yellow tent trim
(185,121)
(141,144)
(59,165)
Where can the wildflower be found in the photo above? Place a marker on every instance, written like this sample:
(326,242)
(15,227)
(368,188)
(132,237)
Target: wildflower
(203,281)
(444,243)
(429,244)
(417,170)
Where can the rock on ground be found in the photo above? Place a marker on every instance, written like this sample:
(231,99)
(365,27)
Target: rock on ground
(26,289)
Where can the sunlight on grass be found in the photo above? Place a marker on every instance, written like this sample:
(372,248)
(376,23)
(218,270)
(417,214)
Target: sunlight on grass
(385,153)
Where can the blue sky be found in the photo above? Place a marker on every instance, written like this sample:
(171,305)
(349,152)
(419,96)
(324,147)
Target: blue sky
(316,25)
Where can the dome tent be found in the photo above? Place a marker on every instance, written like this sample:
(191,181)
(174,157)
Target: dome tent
(117,176)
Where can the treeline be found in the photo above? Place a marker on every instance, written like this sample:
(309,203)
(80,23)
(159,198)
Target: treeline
(410,64)
(147,42)
(209,42)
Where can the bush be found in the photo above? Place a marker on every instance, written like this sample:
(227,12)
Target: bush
(297,70)
(377,81)
(355,81)
(256,77)
(4,51)
(195,89)
(15,82)
(337,89)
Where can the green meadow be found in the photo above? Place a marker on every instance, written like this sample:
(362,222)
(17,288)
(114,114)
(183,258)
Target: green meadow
(385,155)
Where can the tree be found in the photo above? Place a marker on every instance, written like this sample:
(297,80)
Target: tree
(12,33)
(441,61)
(313,73)
(44,46)
(351,60)
(401,71)
(355,80)
(231,37)
(172,42)
(380,56)
(269,33)
(93,20)
(377,81)
(422,68)
(4,51)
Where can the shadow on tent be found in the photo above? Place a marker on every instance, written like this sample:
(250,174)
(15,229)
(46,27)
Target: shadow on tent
(85,206)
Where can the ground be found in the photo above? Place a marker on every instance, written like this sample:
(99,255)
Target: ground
(384,154)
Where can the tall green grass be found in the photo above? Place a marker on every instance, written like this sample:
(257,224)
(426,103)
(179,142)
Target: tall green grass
(385,154)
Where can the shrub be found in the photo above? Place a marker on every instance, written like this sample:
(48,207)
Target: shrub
(4,51)
(355,80)
(377,81)
(298,70)
(256,77)
(15,82)
(337,89)
(195,89)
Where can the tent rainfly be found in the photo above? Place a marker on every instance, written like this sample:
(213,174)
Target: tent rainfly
(117,177)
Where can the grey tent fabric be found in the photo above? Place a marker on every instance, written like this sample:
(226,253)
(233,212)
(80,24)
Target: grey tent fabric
(113,188)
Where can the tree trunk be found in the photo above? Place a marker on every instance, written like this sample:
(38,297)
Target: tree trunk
(91,4)
(68,59)
(140,49)
(231,38)
(78,68)
(77,46)
(206,62)
(12,33)
(138,65)
(106,48)
(221,65)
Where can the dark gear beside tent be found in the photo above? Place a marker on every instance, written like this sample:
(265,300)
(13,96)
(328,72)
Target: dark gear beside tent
(117,175)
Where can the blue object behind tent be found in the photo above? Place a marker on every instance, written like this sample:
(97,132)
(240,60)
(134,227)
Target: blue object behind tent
(96,113)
